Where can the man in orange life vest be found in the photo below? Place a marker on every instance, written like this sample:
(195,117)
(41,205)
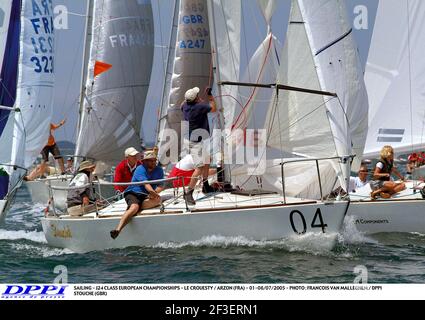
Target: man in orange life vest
(52,148)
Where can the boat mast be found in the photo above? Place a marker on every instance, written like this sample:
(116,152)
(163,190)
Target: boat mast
(168,71)
(84,67)
(216,69)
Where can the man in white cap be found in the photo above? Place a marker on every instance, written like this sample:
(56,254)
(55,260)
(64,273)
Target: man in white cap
(139,197)
(196,113)
(125,170)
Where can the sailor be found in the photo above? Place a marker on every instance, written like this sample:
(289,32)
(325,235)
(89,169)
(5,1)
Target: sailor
(184,169)
(52,148)
(70,166)
(381,184)
(126,168)
(141,197)
(361,180)
(196,113)
(412,163)
(82,200)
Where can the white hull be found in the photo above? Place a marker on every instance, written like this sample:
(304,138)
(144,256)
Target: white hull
(5,206)
(177,225)
(39,191)
(403,213)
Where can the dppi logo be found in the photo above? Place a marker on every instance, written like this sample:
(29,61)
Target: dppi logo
(34,292)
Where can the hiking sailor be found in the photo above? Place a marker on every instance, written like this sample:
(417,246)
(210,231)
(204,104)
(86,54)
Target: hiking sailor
(125,170)
(140,197)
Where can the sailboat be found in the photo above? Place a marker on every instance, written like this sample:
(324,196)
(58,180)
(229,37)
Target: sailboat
(117,68)
(317,32)
(26,89)
(394,79)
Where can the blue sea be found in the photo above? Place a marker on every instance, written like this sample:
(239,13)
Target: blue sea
(25,257)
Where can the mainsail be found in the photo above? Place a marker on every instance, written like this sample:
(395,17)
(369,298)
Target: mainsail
(189,65)
(395,78)
(122,36)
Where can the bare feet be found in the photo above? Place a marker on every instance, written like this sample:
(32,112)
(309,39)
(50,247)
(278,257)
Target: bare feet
(114,234)
(373,195)
(385,195)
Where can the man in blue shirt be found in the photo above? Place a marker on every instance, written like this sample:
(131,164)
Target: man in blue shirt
(196,113)
(142,196)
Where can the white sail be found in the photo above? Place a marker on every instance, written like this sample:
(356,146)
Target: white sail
(319,54)
(35,80)
(191,65)
(10,173)
(395,78)
(122,36)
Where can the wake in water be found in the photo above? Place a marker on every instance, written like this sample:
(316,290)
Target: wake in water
(313,243)
(350,235)
(34,236)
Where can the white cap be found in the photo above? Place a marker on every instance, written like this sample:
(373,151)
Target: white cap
(131,152)
(191,94)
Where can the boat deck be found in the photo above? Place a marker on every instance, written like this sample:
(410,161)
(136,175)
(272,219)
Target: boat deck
(204,203)
(412,192)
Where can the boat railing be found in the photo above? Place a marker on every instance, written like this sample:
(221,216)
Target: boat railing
(106,183)
(316,161)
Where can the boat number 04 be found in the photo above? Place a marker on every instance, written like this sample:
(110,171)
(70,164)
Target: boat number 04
(316,223)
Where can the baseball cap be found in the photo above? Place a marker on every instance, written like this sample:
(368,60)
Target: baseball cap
(191,94)
(131,152)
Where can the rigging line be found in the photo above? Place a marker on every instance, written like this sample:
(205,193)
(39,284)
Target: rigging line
(410,75)
(255,89)
(7,91)
(306,115)
(107,103)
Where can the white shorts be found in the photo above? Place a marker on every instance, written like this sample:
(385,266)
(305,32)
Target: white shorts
(200,153)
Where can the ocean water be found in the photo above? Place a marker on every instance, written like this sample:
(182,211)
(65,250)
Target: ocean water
(25,257)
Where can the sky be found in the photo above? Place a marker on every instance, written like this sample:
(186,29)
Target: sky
(69,51)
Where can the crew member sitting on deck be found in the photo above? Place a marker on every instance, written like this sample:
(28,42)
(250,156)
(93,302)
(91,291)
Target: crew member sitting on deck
(140,197)
(412,163)
(360,181)
(381,184)
(82,200)
(125,170)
